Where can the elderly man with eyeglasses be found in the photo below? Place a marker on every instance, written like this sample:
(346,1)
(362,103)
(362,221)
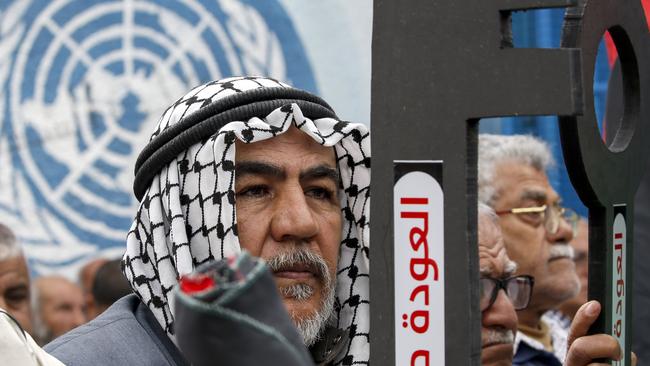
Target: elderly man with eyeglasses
(498,317)
(536,231)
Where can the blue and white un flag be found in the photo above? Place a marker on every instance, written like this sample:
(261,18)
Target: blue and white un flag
(82,85)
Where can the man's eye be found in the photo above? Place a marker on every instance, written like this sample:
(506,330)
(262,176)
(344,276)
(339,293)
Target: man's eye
(16,295)
(66,308)
(320,193)
(534,218)
(254,191)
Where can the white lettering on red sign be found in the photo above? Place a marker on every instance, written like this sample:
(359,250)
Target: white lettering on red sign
(419,282)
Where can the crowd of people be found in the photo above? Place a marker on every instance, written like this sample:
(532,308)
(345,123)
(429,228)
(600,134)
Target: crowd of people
(46,307)
(542,240)
(300,201)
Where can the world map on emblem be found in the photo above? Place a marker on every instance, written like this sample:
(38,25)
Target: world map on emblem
(83,84)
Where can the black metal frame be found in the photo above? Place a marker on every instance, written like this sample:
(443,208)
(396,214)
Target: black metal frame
(438,67)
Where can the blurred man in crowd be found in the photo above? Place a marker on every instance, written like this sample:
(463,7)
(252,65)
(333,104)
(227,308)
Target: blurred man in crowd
(109,286)
(14,279)
(16,344)
(58,306)
(512,180)
(86,279)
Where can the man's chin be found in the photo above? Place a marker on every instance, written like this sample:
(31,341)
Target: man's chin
(309,316)
(301,309)
(497,355)
(565,285)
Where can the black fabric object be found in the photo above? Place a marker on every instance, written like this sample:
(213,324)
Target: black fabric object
(210,119)
(241,321)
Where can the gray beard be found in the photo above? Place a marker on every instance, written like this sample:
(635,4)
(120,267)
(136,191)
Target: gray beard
(311,327)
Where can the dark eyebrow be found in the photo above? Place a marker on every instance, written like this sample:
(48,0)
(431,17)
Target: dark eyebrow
(320,171)
(244,168)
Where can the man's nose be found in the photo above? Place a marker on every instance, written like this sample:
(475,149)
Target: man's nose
(293,218)
(500,314)
(563,235)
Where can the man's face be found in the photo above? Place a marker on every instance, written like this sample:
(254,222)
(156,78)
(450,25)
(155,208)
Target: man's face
(499,321)
(287,201)
(62,305)
(537,252)
(14,290)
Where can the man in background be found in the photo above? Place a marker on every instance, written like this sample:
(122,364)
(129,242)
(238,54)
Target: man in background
(498,317)
(58,306)
(536,231)
(16,345)
(108,286)
(14,279)
(86,279)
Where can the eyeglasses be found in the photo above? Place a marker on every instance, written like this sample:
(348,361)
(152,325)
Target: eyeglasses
(549,215)
(518,289)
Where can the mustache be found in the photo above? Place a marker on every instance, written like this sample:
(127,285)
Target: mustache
(561,251)
(303,259)
(491,336)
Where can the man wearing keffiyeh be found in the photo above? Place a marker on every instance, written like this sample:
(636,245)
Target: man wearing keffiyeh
(244,163)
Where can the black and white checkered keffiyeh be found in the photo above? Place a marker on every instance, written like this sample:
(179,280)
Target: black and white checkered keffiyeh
(187,215)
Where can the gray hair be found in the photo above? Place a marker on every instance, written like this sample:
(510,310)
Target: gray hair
(496,149)
(9,247)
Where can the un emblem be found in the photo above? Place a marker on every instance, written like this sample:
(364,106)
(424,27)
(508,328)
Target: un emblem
(83,84)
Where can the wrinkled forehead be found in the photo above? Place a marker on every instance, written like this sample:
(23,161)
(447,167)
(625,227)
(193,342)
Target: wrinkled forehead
(494,262)
(489,232)
(520,181)
(493,257)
